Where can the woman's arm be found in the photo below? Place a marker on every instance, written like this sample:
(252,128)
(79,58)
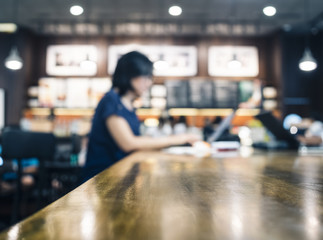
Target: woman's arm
(127,141)
(311,140)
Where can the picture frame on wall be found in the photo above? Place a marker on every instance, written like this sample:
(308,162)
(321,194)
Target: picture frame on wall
(67,60)
(219,58)
(169,60)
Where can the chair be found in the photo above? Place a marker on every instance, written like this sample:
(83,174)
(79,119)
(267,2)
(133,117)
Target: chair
(65,170)
(19,144)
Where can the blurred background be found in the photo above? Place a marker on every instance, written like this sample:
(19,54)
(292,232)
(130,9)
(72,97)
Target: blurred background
(210,57)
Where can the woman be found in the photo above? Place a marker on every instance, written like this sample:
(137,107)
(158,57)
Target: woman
(115,126)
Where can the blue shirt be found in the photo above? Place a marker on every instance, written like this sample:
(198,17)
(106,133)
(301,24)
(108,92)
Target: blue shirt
(102,150)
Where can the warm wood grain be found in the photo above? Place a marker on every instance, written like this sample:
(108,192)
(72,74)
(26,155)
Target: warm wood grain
(153,195)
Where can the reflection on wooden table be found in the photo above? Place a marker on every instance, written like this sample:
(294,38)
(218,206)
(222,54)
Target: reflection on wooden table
(154,195)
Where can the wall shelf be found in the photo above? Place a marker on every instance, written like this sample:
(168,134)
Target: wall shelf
(40,119)
(143,112)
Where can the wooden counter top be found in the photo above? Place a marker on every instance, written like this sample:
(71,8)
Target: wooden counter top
(154,195)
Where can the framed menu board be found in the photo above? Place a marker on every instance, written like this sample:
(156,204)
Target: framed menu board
(201,93)
(177,94)
(66,60)
(169,60)
(220,56)
(207,93)
(225,94)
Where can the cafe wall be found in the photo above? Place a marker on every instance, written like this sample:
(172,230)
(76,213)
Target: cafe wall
(33,49)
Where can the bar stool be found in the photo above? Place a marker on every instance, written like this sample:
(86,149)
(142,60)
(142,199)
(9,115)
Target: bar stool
(18,144)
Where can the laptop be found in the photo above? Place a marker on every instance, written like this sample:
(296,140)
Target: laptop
(224,125)
(283,137)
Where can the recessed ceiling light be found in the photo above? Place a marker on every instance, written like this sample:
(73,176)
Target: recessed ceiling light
(269,11)
(76,10)
(175,10)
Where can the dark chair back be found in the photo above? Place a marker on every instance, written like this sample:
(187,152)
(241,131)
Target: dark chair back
(24,144)
(18,144)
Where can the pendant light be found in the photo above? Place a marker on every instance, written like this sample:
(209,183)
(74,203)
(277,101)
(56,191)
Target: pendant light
(307,62)
(88,64)
(14,61)
(233,63)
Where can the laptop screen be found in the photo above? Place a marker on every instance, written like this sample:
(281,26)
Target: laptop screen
(224,125)
(277,129)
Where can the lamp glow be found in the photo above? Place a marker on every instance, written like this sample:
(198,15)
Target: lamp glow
(307,62)
(175,10)
(160,65)
(14,61)
(269,11)
(293,130)
(8,27)
(88,65)
(234,63)
(76,10)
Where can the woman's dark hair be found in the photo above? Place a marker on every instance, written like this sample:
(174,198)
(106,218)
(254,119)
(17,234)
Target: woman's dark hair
(129,66)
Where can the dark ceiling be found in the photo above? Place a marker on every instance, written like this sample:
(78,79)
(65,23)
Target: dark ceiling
(150,17)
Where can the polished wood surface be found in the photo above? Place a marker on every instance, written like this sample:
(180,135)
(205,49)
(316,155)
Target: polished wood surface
(154,195)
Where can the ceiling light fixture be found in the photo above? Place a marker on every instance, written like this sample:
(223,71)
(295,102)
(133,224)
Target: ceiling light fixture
(14,61)
(269,11)
(307,62)
(234,63)
(76,10)
(88,64)
(175,10)
(161,65)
